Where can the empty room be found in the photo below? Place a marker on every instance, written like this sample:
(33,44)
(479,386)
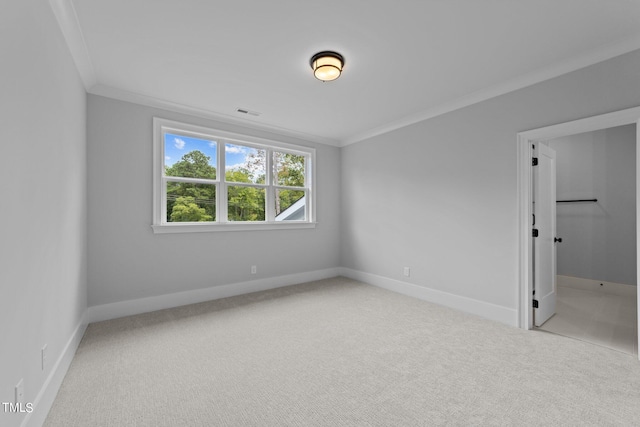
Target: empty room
(291,213)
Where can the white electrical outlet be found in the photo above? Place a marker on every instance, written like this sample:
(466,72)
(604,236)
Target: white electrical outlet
(254,269)
(407,272)
(43,355)
(20,392)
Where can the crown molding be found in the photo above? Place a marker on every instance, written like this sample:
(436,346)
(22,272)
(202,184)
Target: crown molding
(149,101)
(68,22)
(529,79)
(67,18)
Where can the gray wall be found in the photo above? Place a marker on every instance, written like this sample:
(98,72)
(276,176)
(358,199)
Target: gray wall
(440,196)
(43,187)
(128,261)
(599,239)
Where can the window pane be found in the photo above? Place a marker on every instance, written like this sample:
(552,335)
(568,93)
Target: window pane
(289,169)
(245,164)
(290,205)
(188,202)
(189,157)
(245,203)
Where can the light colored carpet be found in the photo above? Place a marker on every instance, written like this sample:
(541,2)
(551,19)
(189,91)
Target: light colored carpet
(338,353)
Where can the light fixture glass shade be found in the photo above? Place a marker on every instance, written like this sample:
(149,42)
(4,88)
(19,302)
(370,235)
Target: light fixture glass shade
(327,66)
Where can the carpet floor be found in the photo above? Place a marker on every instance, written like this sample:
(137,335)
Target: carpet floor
(338,353)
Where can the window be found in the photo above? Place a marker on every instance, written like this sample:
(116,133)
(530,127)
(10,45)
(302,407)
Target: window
(265,184)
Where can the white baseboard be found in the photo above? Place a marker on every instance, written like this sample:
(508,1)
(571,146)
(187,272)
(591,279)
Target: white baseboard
(144,305)
(114,310)
(487,310)
(597,286)
(47,394)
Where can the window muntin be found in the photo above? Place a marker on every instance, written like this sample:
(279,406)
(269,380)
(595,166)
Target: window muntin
(266,184)
(190,186)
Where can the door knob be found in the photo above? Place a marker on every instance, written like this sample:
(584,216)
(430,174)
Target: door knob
(556,239)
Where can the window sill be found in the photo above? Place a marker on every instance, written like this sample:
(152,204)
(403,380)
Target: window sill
(206,228)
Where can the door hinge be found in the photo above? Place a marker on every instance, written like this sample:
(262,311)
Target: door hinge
(534,161)
(534,232)
(535,303)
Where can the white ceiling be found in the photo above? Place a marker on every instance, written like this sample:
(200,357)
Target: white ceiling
(406,60)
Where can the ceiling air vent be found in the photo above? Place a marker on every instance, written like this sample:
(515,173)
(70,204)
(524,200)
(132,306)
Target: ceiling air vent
(249,112)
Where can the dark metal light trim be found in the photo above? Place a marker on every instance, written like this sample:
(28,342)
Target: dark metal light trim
(327,54)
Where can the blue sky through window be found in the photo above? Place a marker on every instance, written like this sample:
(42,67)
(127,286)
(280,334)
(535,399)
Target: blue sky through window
(176,146)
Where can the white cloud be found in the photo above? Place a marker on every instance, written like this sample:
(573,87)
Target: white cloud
(179,143)
(167,158)
(212,144)
(234,149)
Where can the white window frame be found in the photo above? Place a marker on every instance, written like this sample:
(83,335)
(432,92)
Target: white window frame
(160,224)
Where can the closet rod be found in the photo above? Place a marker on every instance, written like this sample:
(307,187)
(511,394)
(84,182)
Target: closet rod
(579,200)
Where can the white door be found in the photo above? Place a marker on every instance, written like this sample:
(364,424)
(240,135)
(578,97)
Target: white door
(544,208)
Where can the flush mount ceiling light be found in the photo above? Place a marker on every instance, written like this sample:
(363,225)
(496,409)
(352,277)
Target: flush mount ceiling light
(327,65)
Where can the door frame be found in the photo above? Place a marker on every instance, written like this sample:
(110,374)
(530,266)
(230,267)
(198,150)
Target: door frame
(525,141)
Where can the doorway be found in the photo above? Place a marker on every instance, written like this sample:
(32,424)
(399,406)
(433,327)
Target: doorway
(526,142)
(595,247)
